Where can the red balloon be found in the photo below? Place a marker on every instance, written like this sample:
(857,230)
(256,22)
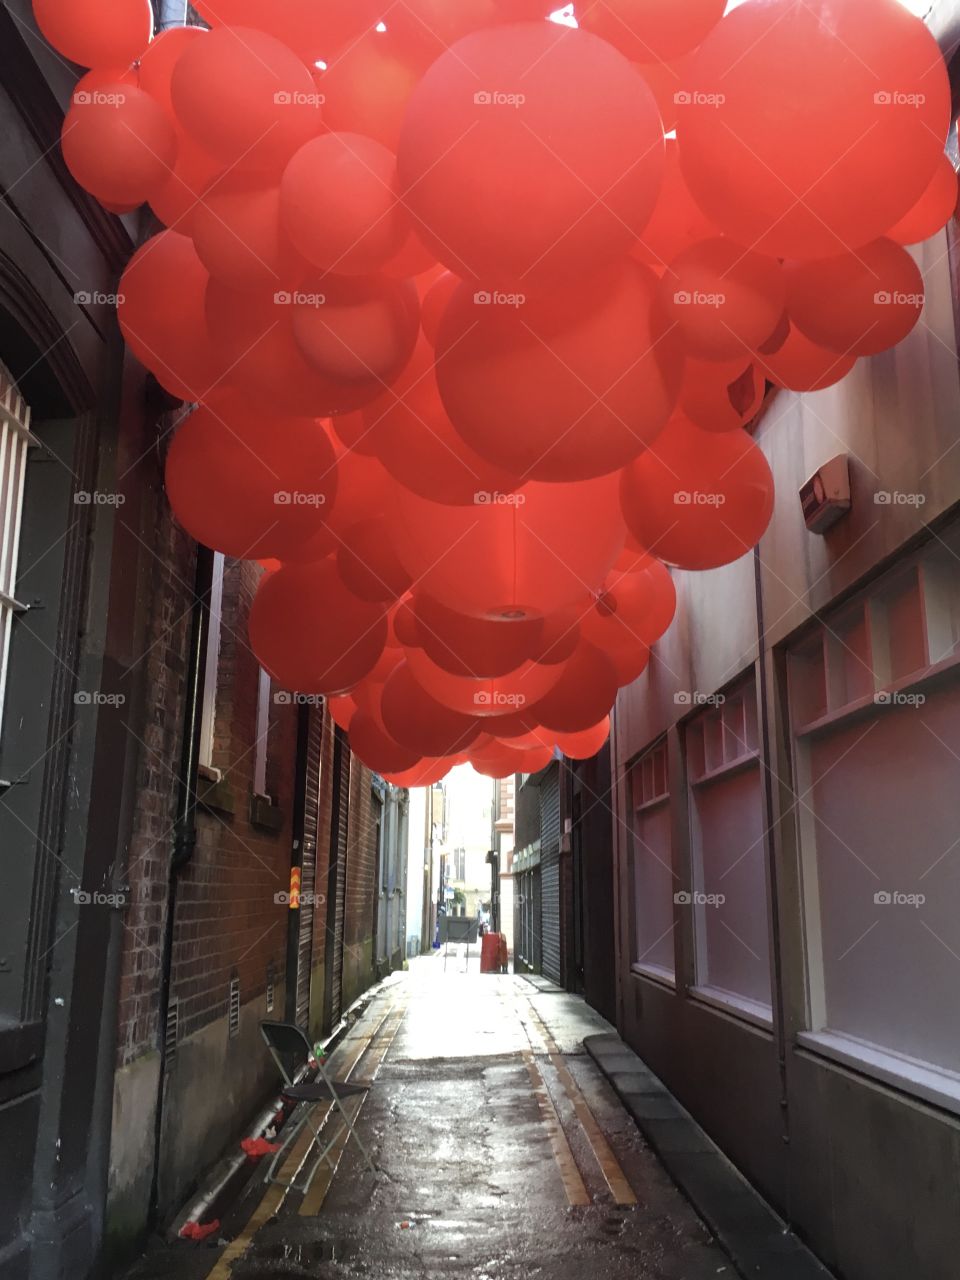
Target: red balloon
(158,61)
(932,211)
(338,200)
(404,622)
(415,719)
(800,365)
(118,143)
(498,761)
(194,174)
(342,710)
(311,633)
(273,479)
(858,303)
(486,698)
(528,555)
(720,395)
(799,115)
(427,28)
(366,87)
(358,329)
(724,299)
(312,27)
(698,499)
(424,774)
(677,221)
(236,229)
(96,33)
(418,444)
(651,30)
(365,490)
(667,82)
(253,335)
(587,743)
(478,647)
(161,312)
(368,564)
(412,259)
(632,611)
(530,152)
(353,433)
(378,751)
(565,387)
(435,302)
(560,636)
(583,695)
(245,97)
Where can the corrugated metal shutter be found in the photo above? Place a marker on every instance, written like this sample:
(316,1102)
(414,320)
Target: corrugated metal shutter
(308,866)
(337,880)
(550,873)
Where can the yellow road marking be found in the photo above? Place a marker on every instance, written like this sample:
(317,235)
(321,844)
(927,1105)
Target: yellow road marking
(616,1179)
(573,1183)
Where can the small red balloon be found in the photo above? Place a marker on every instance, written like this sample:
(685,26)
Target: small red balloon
(720,395)
(368,564)
(477,647)
(651,30)
(118,143)
(587,743)
(96,33)
(800,365)
(932,211)
(415,719)
(378,751)
(583,695)
(366,86)
(236,228)
(358,329)
(159,59)
(311,27)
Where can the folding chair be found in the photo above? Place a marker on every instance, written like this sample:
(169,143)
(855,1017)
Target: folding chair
(292,1051)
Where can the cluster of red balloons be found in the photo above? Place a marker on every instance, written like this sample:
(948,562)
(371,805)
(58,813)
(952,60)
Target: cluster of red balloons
(476,307)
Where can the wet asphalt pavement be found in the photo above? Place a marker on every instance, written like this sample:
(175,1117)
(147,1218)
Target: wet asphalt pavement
(503,1153)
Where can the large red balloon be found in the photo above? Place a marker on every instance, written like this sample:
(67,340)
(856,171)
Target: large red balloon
(477,647)
(724,299)
(339,204)
(651,30)
(366,87)
(499,761)
(677,221)
(96,33)
(415,719)
(858,303)
(419,445)
(424,774)
(312,27)
(157,63)
(698,499)
(530,151)
(564,387)
(435,302)
(368,564)
(800,115)
(245,97)
(161,312)
(583,695)
(532,553)
(365,490)
(587,743)
(311,633)
(932,211)
(274,479)
(800,365)
(236,228)
(427,28)
(118,143)
(358,329)
(194,173)
(377,749)
(720,395)
(487,698)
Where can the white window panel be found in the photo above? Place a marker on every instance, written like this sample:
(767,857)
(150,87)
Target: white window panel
(654,882)
(263,734)
(212,666)
(15,442)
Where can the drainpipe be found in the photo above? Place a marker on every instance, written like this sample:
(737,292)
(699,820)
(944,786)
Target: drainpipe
(185,830)
(769,819)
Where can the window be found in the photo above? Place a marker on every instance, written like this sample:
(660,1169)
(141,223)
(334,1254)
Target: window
(653,879)
(263,734)
(728,895)
(15,441)
(211,670)
(874,699)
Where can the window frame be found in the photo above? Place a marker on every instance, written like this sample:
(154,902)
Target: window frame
(211,670)
(16,440)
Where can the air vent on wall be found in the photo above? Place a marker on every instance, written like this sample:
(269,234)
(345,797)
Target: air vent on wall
(234,1007)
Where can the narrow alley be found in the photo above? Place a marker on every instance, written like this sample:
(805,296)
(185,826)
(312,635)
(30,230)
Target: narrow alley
(502,1150)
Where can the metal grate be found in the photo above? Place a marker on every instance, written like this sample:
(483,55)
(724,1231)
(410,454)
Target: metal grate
(234,1007)
(15,441)
(171,1032)
(271,987)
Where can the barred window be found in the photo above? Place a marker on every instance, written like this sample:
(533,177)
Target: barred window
(15,441)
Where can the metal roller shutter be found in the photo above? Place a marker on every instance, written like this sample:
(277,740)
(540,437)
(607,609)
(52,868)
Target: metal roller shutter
(308,864)
(337,879)
(550,873)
